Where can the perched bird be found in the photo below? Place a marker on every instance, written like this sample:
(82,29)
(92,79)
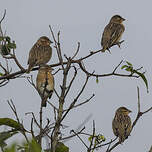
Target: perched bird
(112,33)
(45,83)
(121,124)
(40,53)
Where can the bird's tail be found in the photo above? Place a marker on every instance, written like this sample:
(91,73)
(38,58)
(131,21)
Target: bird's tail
(44,102)
(122,139)
(103,49)
(29,69)
(51,92)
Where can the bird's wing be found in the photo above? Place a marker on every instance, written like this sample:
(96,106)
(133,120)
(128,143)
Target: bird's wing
(128,126)
(115,126)
(32,55)
(106,36)
(116,32)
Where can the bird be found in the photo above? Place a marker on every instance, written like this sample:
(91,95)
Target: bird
(45,83)
(40,53)
(121,124)
(112,33)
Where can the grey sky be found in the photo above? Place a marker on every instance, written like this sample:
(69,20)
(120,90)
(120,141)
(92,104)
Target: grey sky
(84,21)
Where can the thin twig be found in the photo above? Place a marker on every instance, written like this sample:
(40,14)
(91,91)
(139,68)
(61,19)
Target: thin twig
(74,76)
(13,108)
(92,139)
(78,48)
(80,139)
(75,100)
(82,103)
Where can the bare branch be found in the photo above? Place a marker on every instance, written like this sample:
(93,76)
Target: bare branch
(117,66)
(92,139)
(57,46)
(53,106)
(78,48)
(80,104)
(13,108)
(80,139)
(106,75)
(3,16)
(68,88)
(75,100)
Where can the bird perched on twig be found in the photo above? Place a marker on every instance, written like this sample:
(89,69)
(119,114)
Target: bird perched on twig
(121,124)
(40,53)
(112,33)
(45,83)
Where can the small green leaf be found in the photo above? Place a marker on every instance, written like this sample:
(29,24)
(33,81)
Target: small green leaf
(143,77)
(5,50)
(129,69)
(97,80)
(1,74)
(124,66)
(129,63)
(101,137)
(11,45)
(90,138)
(1,38)
(8,39)
(11,123)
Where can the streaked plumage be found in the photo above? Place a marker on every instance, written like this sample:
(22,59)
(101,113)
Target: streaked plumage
(121,124)
(45,83)
(40,53)
(112,33)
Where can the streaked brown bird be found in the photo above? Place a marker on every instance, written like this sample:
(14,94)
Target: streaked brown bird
(121,124)
(40,53)
(112,33)
(45,83)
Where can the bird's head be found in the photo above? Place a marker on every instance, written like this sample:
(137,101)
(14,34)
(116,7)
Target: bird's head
(44,41)
(117,19)
(123,110)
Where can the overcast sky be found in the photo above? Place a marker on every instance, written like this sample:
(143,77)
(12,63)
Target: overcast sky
(84,21)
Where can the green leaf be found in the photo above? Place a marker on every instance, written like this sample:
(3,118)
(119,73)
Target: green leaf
(129,69)
(1,38)
(5,50)
(11,45)
(6,134)
(97,80)
(61,147)
(101,138)
(34,146)
(143,77)
(1,74)
(90,138)
(124,66)
(8,39)
(129,63)
(3,144)
(12,148)
(11,123)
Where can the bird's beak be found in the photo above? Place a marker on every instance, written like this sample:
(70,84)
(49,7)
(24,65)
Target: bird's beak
(123,19)
(51,42)
(129,111)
